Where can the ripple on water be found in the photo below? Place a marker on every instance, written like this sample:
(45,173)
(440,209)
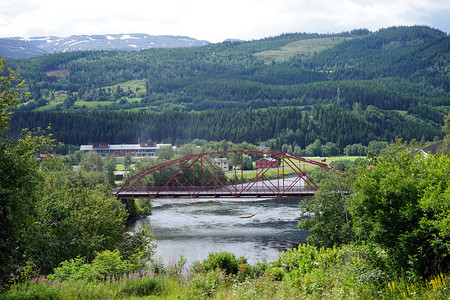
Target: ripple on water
(194,228)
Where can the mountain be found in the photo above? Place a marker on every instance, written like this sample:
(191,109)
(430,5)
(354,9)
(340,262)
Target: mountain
(363,86)
(11,48)
(22,48)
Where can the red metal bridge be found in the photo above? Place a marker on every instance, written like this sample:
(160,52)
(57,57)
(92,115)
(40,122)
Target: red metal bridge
(222,174)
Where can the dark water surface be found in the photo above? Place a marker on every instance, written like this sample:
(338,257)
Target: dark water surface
(194,228)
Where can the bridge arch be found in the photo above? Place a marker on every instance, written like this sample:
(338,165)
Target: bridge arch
(221,174)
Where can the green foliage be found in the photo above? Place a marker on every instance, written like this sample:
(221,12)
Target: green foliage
(9,94)
(73,269)
(225,261)
(92,161)
(106,265)
(109,263)
(73,217)
(320,272)
(127,161)
(138,249)
(166,152)
(229,74)
(327,215)
(402,204)
(363,89)
(355,149)
(294,126)
(347,272)
(142,287)
(109,167)
(206,285)
(247,163)
(349,164)
(19,179)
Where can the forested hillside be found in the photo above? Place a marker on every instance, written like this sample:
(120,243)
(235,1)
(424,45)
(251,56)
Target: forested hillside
(292,126)
(363,85)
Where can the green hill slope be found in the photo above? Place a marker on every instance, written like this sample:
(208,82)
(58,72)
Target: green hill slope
(400,68)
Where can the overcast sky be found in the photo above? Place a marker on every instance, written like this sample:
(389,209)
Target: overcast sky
(214,20)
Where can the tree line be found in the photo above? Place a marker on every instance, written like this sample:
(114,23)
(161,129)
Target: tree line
(291,125)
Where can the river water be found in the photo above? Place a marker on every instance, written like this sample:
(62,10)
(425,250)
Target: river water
(194,228)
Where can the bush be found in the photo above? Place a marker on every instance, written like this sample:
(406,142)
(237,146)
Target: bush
(106,263)
(224,261)
(109,263)
(72,269)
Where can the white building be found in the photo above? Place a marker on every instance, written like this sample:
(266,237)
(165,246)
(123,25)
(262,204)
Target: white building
(222,163)
(145,149)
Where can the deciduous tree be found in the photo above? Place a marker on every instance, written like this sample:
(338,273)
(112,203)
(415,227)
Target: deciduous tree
(403,205)
(327,215)
(19,178)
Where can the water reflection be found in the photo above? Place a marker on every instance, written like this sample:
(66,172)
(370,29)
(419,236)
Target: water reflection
(193,228)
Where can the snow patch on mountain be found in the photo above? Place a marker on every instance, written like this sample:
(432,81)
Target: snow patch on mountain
(123,42)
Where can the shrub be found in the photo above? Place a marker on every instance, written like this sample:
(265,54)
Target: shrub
(73,269)
(224,261)
(109,263)
(106,263)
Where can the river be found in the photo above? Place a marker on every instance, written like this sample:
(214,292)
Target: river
(194,228)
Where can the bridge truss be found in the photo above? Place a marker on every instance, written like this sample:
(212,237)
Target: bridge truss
(222,174)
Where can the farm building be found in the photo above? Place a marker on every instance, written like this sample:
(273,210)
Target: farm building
(267,162)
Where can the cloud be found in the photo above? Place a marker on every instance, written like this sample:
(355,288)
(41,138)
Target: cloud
(212,20)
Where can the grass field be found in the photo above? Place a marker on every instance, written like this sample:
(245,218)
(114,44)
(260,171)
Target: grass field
(47,107)
(304,48)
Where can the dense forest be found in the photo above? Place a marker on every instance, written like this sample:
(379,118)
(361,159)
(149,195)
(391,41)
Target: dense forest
(293,126)
(346,88)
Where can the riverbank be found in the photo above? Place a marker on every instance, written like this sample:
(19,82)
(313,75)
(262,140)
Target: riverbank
(347,272)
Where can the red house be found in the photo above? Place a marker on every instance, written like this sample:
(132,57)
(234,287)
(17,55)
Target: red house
(267,162)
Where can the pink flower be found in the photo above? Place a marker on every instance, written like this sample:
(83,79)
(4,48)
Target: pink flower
(368,168)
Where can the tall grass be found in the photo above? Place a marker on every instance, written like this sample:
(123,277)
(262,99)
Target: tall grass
(304,273)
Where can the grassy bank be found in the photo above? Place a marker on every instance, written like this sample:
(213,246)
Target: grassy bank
(304,273)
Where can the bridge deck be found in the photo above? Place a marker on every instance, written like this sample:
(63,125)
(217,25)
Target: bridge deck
(215,194)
